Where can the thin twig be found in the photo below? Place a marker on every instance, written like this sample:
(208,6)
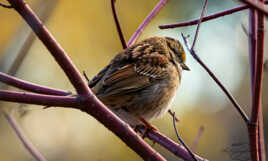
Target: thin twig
(198,26)
(28,86)
(86,77)
(52,45)
(44,10)
(26,37)
(180,139)
(146,21)
(25,141)
(39,99)
(119,30)
(171,113)
(169,144)
(207,18)
(197,138)
(228,94)
(91,104)
(256,5)
(192,51)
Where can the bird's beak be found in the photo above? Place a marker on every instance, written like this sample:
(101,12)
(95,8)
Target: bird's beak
(185,67)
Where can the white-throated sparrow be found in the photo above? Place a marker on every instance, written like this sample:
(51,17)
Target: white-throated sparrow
(141,81)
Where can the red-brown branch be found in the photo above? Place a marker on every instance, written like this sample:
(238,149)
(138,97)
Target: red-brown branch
(27,144)
(256,5)
(21,84)
(175,148)
(38,99)
(256,63)
(117,24)
(52,45)
(91,104)
(154,136)
(146,21)
(207,18)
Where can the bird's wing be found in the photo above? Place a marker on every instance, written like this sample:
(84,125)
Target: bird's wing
(136,74)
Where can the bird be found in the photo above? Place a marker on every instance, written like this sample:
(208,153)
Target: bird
(140,82)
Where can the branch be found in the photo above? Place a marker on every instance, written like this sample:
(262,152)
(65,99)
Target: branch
(21,84)
(27,144)
(198,26)
(256,5)
(146,21)
(207,18)
(52,45)
(37,99)
(25,37)
(256,52)
(119,30)
(91,104)
(154,136)
(228,94)
(259,69)
(169,144)
(180,139)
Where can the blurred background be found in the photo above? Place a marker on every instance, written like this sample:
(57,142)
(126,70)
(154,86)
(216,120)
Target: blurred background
(87,32)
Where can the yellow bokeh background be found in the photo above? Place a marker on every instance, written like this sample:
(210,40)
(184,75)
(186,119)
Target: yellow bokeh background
(86,31)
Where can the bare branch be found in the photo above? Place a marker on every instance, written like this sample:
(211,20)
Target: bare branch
(52,45)
(256,52)
(21,84)
(146,21)
(38,99)
(228,94)
(91,104)
(257,85)
(171,113)
(198,26)
(207,18)
(181,140)
(256,5)
(169,144)
(119,30)
(26,142)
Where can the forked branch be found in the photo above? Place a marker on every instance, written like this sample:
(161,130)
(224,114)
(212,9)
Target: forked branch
(207,18)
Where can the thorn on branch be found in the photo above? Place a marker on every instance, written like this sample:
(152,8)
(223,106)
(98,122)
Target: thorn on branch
(46,107)
(171,113)
(86,77)
(6,6)
(266,65)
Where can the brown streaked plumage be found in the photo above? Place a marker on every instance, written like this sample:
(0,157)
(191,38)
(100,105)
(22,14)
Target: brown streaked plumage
(140,82)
